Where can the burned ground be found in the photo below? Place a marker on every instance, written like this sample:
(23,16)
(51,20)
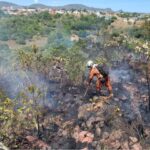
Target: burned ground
(71,121)
(92,122)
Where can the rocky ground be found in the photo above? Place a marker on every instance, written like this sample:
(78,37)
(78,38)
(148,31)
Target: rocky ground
(95,122)
(72,121)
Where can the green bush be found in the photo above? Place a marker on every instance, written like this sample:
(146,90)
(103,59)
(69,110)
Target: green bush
(115,34)
(4,37)
(82,34)
(75,64)
(136,32)
(21,41)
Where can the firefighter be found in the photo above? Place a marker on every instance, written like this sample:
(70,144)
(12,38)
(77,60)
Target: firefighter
(102,77)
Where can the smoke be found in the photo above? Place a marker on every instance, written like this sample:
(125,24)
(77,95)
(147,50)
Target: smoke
(18,81)
(14,80)
(120,75)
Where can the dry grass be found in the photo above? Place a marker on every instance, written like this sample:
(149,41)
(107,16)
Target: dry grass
(120,23)
(38,41)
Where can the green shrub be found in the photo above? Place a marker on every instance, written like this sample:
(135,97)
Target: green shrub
(75,64)
(4,37)
(115,34)
(136,32)
(21,41)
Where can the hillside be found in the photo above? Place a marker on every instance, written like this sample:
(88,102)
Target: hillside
(7,4)
(35,6)
(83,7)
(47,98)
(66,7)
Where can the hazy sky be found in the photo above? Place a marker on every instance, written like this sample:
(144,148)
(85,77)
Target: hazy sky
(126,5)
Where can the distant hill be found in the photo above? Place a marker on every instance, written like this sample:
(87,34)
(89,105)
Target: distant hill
(35,6)
(82,7)
(70,7)
(66,7)
(8,4)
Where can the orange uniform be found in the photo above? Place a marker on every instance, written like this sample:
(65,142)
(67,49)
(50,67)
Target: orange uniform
(95,72)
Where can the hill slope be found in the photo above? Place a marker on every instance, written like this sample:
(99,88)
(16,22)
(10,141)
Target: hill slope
(8,4)
(66,7)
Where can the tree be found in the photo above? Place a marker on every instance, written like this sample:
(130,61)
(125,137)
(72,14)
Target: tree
(75,64)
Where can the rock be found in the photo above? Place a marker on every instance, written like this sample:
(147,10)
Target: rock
(125,145)
(98,147)
(94,144)
(95,98)
(64,133)
(68,105)
(116,99)
(105,135)
(72,106)
(55,145)
(3,147)
(83,112)
(123,98)
(98,105)
(147,132)
(67,97)
(69,143)
(85,148)
(37,142)
(85,137)
(117,134)
(133,139)
(90,99)
(98,119)
(144,98)
(143,80)
(101,124)
(136,146)
(59,133)
(83,125)
(98,131)
(100,114)
(116,89)
(115,144)
(89,122)
(79,102)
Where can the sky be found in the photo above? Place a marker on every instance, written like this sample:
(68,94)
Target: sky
(126,5)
